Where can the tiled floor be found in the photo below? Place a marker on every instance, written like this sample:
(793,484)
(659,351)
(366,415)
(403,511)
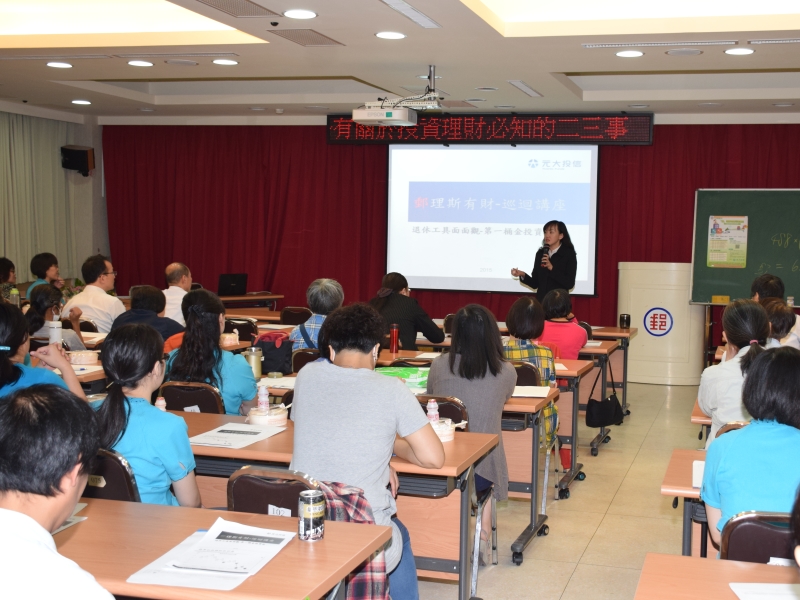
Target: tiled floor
(600,535)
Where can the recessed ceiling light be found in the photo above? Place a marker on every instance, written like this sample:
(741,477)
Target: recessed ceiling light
(59,65)
(524,87)
(684,52)
(257,108)
(486,89)
(425,77)
(739,51)
(506,106)
(390,35)
(638,105)
(279,111)
(299,13)
(783,104)
(81,102)
(225,61)
(475,100)
(140,63)
(630,53)
(710,104)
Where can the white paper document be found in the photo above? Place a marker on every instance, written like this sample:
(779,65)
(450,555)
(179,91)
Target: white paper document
(766,591)
(428,355)
(73,519)
(698,468)
(560,367)
(274,326)
(530,391)
(592,344)
(93,337)
(235,435)
(283,383)
(82,369)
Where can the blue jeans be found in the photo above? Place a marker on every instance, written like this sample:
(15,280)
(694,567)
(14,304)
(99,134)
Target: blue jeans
(403,580)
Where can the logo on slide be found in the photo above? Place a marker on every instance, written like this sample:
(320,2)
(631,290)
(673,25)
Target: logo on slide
(658,322)
(533,163)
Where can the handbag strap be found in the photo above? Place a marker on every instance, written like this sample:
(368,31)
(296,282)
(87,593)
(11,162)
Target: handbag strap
(306,337)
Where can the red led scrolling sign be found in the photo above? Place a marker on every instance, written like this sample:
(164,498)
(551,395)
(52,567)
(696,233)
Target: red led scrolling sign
(604,129)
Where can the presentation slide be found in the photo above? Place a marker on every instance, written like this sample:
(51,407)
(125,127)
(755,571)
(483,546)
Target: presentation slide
(460,218)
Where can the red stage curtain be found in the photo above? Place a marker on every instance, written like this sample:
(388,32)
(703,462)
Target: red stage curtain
(282,205)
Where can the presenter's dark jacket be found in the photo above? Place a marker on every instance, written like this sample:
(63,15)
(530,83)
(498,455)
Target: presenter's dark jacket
(565,265)
(411,318)
(163,325)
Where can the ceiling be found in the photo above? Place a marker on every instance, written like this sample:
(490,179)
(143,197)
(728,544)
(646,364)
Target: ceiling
(297,71)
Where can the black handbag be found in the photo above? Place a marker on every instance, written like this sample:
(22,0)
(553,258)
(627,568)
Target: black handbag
(604,412)
(273,358)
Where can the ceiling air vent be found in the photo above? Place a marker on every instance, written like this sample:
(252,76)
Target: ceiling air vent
(175,54)
(242,9)
(306,37)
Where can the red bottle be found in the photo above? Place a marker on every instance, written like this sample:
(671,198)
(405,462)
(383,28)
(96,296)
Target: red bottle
(394,338)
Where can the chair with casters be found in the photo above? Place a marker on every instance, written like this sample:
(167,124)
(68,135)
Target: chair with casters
(201,397)
(247,327)
(420,363)
(588,329)
(294,315)
(447,326)
(449,408)
(287,400)
(86,325)
(479,500)
(196,286)
(527,373)
(111,478)
(757,536)
(253,489)
(303,356)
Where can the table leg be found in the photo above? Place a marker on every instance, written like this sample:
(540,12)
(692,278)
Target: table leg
(602,436)
(575,467)
(625,343)
(537,520)
(467,488)
(686,542)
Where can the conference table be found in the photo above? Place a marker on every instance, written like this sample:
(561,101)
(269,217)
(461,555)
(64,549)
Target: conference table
(442,545)
(261,315)
(702,419)
(671,577)
(120,538)
(678,483)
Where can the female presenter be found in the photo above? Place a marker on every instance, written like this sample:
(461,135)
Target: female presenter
(555,265)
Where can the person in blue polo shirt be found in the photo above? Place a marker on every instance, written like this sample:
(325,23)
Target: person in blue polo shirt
(155,443)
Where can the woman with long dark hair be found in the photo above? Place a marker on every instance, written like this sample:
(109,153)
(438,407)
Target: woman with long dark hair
(475,372)
(556,262)
(200,358)
(155,443)
(395,304)
(8,278)
(46,306)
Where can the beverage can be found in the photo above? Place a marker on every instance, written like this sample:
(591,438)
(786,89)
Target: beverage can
(311,516)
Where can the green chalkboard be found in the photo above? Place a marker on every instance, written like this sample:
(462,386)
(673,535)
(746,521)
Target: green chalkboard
(772,241)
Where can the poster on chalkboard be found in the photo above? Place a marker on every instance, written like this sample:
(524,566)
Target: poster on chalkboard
(727,242)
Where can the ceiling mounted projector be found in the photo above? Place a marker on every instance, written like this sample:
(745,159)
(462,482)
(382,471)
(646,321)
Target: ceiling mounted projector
(400,112)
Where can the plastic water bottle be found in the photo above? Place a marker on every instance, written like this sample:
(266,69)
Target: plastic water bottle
(433,410)
(263,398)
(14,297)
(161,404)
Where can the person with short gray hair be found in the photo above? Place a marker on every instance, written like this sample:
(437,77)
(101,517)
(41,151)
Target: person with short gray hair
(323,297)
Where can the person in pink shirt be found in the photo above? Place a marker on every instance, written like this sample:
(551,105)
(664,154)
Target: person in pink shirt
(561,327)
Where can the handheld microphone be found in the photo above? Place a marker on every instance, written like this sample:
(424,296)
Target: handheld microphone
(546,248)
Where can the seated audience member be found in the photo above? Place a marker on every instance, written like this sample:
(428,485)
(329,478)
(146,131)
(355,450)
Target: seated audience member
(746,328)
(48,439)
(475,372)
(155,443)
(323,297)
(14,345)
(525,322)
(395,305)
(46,306)
(45,267)
(179,283)
(560,327)
(8,278)
(758,467)
(766,286)
(147,307)
(201,359)
(348,420)
(781,320)
(94,301)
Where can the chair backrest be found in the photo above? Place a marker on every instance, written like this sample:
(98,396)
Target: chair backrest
(588,329)
(300,358)
(447,326)
(196,286)
(37,343)
(112,478)
(255,489)
(286,400)
(294,315)
(732,426)
(527,374)
(449,408)
(86,325)
(181,395)
(421,363)
(246,327)
(757,536)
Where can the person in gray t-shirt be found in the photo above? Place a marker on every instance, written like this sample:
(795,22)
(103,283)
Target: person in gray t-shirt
(349,421)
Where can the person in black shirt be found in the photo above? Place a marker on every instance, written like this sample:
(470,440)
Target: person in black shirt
(395,305)
(147,306)
(555,268)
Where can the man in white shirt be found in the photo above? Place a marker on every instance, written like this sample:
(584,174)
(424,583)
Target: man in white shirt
(94,301)
(179,280)
(48,438)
